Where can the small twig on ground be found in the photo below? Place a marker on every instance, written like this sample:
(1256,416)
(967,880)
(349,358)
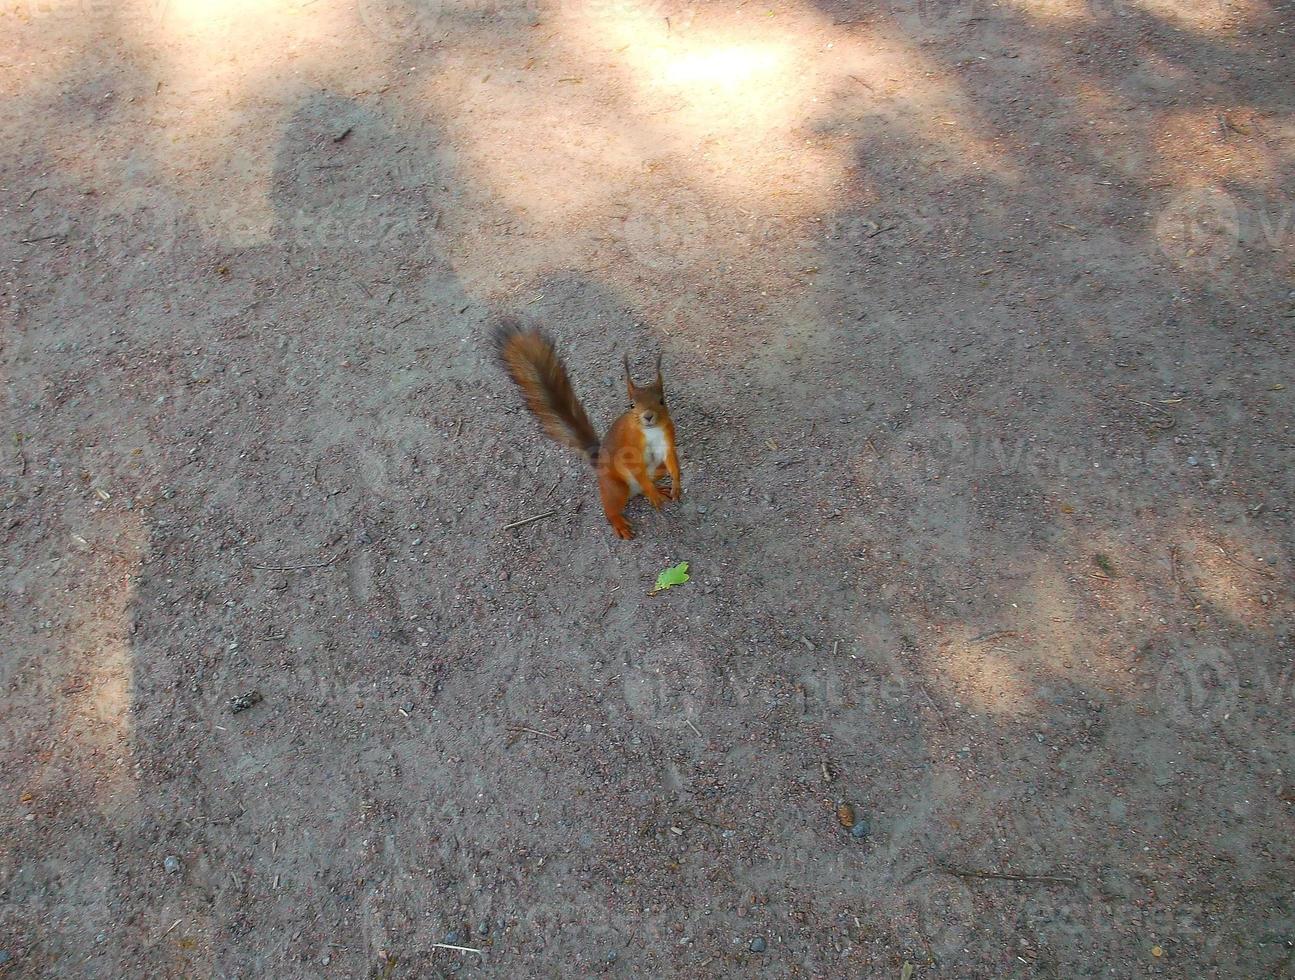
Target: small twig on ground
(706,820)
(528,520)
(694,727)
(863,83)
(606,609)
(461,949)
(1229,124)
(155,941)
(552,488)
(1008,876)
(458,428)
(995,635)
(534,731)
(934,706)
(1161,419)
(1241,564)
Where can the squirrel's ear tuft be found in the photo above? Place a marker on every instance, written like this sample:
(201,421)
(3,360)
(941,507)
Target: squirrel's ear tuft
(629,380)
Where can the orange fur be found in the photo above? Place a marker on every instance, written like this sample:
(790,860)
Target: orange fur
(642,437)
(530,359)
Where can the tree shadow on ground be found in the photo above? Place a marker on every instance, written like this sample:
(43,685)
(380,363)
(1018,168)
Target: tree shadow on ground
(890,406)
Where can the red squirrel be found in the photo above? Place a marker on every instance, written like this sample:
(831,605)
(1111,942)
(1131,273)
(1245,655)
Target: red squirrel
(638,449)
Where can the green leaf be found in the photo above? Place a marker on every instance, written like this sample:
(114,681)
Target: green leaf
(672,577)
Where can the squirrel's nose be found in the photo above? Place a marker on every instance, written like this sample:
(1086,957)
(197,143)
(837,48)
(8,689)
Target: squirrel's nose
(649,417)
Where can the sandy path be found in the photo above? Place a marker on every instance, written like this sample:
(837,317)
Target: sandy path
(977,329)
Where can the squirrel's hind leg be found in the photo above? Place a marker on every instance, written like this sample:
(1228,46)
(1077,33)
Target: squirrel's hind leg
(615,495)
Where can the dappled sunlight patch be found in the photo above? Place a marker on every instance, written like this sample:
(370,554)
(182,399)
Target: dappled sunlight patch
(985,674)
(726,68)
(1224,197)
(1232,576)
(1051,608)
(1056,13)
(215,131)
(728,95)
(683,146)
(227,37)
(1050,629)
(943,119)
(738,94)
(1204,18)
(547,156)
(1117,588)
(49,28)
(1233,145)
(592,170)
(1120,583)
(96,701)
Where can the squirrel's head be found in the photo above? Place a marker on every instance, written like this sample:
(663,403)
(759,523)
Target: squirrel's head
(647,402)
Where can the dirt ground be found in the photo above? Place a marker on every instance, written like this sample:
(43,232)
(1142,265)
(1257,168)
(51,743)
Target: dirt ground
(977,326)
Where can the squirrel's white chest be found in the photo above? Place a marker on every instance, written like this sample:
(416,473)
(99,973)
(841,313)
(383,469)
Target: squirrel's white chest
(654,452)
(654,448)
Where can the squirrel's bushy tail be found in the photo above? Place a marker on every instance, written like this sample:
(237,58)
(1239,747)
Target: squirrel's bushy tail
(529,358)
